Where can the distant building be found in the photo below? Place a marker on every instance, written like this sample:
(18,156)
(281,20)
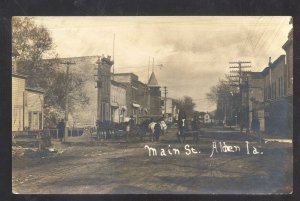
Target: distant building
(207,118)
(201,116)
(175,113)
(256,98)
(168,105)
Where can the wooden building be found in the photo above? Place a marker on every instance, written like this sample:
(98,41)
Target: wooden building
(18,89)
(27,106)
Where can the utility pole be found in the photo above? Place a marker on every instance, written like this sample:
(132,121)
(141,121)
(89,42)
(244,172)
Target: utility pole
(114,57)
(152,64)
(68,63)
(241,81)
(165,105)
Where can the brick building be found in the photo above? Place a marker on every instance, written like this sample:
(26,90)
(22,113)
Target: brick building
(275,102)
(85,68)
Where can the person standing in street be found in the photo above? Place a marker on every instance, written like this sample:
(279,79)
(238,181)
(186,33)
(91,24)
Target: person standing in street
(157,130)
(61,129)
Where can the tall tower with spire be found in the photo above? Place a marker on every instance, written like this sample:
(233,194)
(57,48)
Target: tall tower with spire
(154,95)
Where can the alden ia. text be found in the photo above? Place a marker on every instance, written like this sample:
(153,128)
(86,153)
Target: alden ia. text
(216,148)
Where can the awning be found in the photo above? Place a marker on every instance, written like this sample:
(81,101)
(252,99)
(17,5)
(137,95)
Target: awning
(136,105)
(114,104)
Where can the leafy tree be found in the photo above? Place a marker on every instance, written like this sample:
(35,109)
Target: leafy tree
(31,41)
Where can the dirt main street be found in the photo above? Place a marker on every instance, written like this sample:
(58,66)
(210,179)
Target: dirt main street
(120,167)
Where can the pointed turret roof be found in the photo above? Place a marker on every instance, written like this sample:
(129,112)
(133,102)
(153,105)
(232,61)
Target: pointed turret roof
(153,81)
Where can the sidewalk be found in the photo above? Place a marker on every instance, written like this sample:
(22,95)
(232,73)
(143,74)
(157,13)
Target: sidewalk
(83,139)
(267,137)
(272,138)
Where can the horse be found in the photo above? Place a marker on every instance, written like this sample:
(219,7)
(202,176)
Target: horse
(184,131)
(163,127)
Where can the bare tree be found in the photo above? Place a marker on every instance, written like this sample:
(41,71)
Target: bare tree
(186,105)
(225,96)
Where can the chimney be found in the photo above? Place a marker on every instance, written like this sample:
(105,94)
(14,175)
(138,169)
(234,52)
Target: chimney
(270,61)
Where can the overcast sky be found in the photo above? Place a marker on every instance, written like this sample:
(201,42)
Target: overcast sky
(194,51)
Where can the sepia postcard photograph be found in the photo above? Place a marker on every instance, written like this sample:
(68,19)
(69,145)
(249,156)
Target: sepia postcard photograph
(152,105)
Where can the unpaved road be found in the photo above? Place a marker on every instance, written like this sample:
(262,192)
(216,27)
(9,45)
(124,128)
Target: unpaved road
(112,167)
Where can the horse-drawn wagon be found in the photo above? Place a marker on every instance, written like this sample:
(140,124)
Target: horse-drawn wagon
(146,126)
(188,129)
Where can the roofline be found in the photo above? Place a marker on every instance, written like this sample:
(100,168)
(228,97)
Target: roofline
(280,58)
(256,75)
(19,75)
(35,90)
(118,84)
(142,83)
(71,57)
(273,65)
(125,74)
(154,86)
(288,43)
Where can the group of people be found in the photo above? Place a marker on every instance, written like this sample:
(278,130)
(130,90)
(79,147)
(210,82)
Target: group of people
(105,129)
